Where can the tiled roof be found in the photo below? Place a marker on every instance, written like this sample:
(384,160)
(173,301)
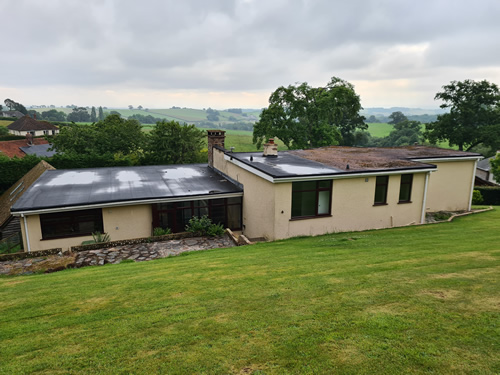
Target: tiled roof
(13,148)
(19,188)
(26,123)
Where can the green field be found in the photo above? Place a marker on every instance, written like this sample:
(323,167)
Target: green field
(413,300)
(380,129)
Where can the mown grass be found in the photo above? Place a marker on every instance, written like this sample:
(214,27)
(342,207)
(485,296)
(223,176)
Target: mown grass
(5,122)
(409,300)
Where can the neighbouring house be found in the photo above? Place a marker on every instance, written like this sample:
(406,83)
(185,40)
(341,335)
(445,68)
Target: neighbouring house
(9,224)
(23,147)
(483,170)
(11,114)
(27,125)
(268,194)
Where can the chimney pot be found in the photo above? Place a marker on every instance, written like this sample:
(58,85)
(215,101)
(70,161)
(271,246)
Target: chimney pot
(270,148)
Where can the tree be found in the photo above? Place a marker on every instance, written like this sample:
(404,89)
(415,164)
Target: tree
(93,116)
(101,114)
(14,106)
(173,143)
(53,115)
(397,117)
(474,115)
(79,114)
(303,116)
(139,107)
(495,167)
(130,106)
(405,133)
(1,107)
(113,135)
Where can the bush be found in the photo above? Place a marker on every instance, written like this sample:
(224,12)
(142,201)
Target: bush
(477,198)
(490,194)
(161,232)
(204,226)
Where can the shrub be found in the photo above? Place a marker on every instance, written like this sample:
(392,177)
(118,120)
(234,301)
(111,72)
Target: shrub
(204,226)
(477,198)
(490,194)
(161,232)
(101,237)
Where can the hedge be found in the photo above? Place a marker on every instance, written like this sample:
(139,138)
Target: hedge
(491,194)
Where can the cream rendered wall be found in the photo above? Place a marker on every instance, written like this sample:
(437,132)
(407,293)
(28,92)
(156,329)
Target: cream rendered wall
(352,208)
(131,221)
(267,207)
(127,222)
(35,235)
(450,186)
(258,198)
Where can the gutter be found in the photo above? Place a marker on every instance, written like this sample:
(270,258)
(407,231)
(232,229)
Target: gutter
(47,210)
(424,201)
(26,233)
(472,185)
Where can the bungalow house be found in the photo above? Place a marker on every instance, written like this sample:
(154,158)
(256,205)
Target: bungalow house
(9,224)
(27,125)
(273,194)
(483,170)
(16,114)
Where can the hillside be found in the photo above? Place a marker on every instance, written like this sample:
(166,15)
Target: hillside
(419,299)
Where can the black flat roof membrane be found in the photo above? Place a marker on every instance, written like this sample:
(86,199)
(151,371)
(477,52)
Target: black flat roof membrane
(89,186)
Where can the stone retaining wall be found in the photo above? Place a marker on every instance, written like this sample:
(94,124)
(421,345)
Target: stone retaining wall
(135,241)
(33,254)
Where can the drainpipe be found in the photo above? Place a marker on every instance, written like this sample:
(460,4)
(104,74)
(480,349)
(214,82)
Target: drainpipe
(472,185)
(26,233)
(424,203)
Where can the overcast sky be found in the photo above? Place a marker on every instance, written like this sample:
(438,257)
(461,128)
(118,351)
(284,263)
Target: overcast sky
(224,53)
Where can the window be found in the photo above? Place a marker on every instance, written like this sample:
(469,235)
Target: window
(405,188)
(381,190)
(311,198)
(176,215)
(71,224)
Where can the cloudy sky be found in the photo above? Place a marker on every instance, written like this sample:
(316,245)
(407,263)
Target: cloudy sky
(234,53)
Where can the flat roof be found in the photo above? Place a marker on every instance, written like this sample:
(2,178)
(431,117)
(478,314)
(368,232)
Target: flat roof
(342,160)
(94,186)
(39,150)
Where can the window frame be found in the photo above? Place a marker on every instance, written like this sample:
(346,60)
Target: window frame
(379,185)
(317,190)
(194,207)
(73,218)
(410,188)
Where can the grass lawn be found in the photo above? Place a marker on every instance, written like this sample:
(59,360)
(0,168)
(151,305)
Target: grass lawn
(422,299)
(5,122)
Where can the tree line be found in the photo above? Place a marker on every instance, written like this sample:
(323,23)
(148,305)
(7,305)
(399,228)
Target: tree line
(302,116)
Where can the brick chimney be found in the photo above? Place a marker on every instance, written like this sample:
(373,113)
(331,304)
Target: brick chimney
(215,138)
(270,148)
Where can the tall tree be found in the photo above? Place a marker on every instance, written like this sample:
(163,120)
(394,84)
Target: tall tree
(303,116)
(14,106)
(397,117)
(101,114)
(93,116)
(113,135)
(79,114)
(474,115)
(173,143)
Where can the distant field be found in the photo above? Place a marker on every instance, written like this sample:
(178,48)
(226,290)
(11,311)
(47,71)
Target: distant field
(5,122)
(380,129)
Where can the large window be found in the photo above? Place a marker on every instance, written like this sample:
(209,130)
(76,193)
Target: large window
(405,188)
(311,198)
(176,215)
(381,186)
(71,224)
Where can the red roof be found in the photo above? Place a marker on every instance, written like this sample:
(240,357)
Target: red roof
(11,148)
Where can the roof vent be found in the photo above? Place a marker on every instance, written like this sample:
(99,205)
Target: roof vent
(270,148)
(347,167)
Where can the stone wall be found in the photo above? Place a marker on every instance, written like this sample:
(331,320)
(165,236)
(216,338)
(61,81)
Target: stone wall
(106,245)
(33,254)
